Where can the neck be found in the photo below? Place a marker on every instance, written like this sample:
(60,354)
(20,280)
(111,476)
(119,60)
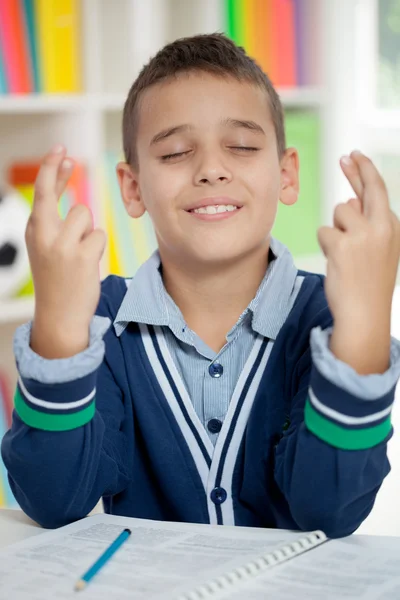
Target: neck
(212,299)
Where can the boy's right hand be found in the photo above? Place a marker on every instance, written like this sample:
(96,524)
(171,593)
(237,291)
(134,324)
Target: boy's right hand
(64,258)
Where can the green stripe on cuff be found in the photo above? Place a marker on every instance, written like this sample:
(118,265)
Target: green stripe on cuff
(52,422)
(340,437)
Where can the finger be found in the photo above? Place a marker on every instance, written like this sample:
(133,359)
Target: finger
(328,237)
(356,204)
(64,173)
(351,170)
(346,218)
(95,243)
(375,198)
(45,197)
(77,225)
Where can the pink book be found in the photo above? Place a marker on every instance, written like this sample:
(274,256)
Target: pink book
(14,47)
(284,43)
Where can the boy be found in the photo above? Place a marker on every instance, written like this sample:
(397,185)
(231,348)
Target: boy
(211,387)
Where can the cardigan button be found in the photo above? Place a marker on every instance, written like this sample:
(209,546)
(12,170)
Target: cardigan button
(214,425)
(218,495)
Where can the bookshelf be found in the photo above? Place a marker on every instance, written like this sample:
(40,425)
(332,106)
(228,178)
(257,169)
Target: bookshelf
(116,39)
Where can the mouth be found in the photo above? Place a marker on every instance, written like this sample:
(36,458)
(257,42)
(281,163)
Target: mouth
(217,212)
(215,209)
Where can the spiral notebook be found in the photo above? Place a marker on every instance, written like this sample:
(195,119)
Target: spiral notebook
(185,561)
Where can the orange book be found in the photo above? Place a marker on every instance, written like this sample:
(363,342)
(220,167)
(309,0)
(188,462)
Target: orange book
(17,64)
(284,43)
(263,41)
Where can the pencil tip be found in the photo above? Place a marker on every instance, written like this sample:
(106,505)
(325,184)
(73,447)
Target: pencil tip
(80,585)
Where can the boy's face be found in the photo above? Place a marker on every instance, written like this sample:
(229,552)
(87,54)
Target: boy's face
(203,139)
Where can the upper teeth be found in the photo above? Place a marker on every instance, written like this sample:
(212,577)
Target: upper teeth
(217,208)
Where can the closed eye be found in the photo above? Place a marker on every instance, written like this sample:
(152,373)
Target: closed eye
(167,157)
(244,148)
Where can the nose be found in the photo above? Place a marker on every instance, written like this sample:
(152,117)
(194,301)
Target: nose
(211,169)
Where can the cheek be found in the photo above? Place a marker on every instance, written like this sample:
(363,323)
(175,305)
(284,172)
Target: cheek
(160,188)
(263,184)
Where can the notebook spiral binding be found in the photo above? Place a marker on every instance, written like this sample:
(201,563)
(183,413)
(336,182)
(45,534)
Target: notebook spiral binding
(254,567)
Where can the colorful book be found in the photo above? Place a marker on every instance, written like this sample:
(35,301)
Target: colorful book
(58,34)
(235,11)
(283,43)
(308,61)
(267,30)
(296,226)
(30,28)
(14,47)
(3,81)
(262,38)
(301,40)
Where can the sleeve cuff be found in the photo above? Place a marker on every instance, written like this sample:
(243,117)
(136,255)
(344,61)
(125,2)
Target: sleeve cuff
(58,395)
(367,387)
(345,409)
(60,370)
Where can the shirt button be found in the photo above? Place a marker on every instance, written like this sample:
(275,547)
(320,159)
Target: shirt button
(215,370)
(214,425)
(218,495)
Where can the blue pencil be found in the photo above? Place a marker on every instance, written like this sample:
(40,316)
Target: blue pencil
(102,560)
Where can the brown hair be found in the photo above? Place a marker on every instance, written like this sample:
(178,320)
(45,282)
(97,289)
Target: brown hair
(212,53)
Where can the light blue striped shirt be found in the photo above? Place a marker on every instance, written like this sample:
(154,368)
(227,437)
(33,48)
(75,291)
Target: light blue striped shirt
(147,301)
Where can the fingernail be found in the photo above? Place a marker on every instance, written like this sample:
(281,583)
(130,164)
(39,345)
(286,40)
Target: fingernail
(346,160)
(57,149)
(67,163)
(357,152)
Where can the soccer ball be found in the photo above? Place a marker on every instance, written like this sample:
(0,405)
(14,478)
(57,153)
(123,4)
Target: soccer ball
(14,263)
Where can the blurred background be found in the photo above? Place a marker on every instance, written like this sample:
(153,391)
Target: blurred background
(66,67)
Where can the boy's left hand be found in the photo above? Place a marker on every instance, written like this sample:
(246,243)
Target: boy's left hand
(363,251)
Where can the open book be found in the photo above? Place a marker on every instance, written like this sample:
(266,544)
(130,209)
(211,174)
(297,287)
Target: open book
(184,561)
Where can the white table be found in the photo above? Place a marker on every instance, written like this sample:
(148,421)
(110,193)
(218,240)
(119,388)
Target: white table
(16,526)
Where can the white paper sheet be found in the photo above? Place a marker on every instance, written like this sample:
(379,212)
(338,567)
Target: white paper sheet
(158,561)
(356,568)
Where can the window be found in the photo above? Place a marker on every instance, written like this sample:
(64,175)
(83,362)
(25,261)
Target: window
(378,74)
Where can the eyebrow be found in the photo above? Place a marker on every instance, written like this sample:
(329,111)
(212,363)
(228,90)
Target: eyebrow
(239,123)
(233,123)
(166,133)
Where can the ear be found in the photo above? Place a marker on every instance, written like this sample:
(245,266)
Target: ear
(289,177)
(130,191)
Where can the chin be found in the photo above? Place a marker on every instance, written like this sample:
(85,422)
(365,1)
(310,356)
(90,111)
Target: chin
(216,255)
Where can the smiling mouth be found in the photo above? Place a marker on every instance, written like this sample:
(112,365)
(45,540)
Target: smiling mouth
(214,209)
(214,213)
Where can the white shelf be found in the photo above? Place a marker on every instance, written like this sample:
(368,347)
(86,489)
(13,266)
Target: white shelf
(12,311)
(312,97)
(55,103)
(45,103)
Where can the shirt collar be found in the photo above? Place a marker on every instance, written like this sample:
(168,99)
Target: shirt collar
(147,301)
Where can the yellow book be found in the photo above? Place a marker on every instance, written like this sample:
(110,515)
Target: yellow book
(2,494)
(58,37)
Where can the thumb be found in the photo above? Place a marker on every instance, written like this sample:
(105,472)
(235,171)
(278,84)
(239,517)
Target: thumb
(328,237)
